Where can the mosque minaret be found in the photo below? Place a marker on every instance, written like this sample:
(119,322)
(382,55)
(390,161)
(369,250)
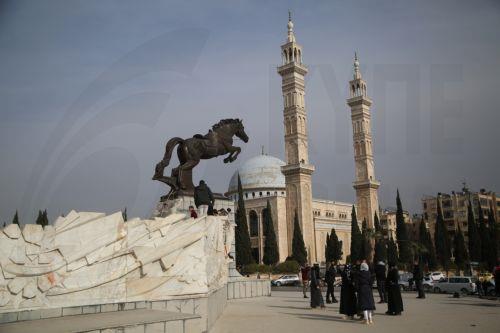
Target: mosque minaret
(287,185)
(365,184)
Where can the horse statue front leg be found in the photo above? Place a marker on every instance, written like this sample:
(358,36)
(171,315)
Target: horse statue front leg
(233,154)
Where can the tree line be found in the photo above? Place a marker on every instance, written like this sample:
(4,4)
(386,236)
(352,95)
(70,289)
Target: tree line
(444,250)
(42,219)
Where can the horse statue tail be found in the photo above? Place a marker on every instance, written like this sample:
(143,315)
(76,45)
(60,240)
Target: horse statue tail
(166,158)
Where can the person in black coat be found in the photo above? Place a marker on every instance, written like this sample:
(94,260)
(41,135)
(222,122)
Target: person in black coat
(316,297)
(418,277)
(348,301)
(394,300)
(330,281)
(203,198)
(381,276)
(365,293)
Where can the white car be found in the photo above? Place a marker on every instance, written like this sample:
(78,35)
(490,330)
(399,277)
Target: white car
(461,284)
(436,276)
(286,280)
(428,283)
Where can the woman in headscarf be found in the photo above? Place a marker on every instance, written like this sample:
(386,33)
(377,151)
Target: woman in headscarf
(365,293)
(394,300)
(348,299)
(316,296)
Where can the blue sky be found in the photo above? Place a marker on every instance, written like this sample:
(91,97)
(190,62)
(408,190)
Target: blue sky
(91,90)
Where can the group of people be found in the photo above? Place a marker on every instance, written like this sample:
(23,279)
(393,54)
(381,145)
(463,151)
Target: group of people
(356,296)
(204,202)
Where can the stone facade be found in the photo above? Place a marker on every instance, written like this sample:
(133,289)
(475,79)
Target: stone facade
(365,183)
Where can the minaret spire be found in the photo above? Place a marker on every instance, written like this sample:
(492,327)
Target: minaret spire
(357,73)
(291,36)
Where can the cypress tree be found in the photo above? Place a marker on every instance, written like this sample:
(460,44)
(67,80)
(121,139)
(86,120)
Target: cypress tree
(39,219)
(15,220)
(492,225)
(356,239)
(474,243)
(299,252)
(328,256)
(45,218)
(124,214)
(404,247)
(333,247)
(425,240)
(392,251)
(461,255)
(442,239)
(242,237)
(485,238)
(380,243)
(271,254)
(366,246)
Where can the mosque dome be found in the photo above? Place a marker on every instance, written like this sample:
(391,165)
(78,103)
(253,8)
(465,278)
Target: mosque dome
(261,172)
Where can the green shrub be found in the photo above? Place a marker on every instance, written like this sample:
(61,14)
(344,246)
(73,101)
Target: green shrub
(289,266)
(250,269)
(265,269)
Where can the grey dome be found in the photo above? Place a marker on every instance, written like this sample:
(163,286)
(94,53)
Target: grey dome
(259,172)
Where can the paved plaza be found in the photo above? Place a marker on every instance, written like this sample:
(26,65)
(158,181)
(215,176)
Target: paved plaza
(288,311)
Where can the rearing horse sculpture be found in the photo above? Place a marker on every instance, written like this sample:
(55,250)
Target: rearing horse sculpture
(218,141)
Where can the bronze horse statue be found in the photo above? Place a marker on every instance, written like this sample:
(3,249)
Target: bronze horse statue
(218,141)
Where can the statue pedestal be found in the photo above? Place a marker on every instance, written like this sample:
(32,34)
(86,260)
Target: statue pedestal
(180,203)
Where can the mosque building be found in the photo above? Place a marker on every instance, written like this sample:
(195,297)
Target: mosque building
(287,184)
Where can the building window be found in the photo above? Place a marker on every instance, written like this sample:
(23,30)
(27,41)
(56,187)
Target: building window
(253,194)
(268,193)
(254,224)
(246,195)
(260,194)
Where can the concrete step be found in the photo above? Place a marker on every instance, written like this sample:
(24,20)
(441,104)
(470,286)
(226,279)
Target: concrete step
(129,321)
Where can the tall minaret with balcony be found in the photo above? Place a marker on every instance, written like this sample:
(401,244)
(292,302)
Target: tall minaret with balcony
(365,183)
(297,170)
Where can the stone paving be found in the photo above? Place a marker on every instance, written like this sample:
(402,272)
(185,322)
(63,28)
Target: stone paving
(288,312)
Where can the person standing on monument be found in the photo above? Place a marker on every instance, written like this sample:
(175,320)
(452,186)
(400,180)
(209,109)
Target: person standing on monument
(203,198)
(192,212)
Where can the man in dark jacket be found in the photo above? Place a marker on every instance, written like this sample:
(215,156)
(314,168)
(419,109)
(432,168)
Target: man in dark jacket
(330,281)
(203,198)
(418,277)
(381,276)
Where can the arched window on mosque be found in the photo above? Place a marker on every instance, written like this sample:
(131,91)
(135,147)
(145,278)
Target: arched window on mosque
(254,223)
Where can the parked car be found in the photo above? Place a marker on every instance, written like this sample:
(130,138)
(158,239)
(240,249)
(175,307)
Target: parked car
(462,284)
(405,281)
(428,283)
(436,276)
(286,280)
